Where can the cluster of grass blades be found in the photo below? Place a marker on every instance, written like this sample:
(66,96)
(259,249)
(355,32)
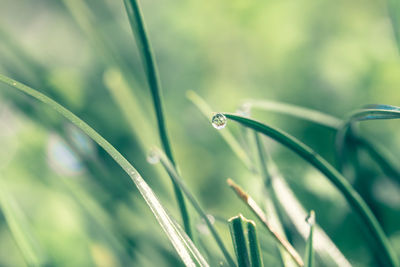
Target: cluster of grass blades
(386,253)
(245,242)
(243,231)
(181,242)
(282,198)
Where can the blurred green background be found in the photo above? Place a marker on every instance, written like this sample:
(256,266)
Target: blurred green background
(334,56)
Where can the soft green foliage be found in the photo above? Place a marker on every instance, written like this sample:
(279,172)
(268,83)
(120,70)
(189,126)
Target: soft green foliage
(254,246)
(66,202)
(172,232)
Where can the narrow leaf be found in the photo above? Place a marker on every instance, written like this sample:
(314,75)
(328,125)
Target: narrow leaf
(173,173)
(254,246)
(149,63)
(239,240)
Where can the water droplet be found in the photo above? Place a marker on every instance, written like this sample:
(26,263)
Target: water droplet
(310,219)
(14,83)
(218,121)
(244,110)
(153,157)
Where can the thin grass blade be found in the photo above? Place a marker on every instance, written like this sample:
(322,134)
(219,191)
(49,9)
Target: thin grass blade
(383,158)
(149,196)
(173,173)
(263,218)
(150,67)
(254,246)
(239,240)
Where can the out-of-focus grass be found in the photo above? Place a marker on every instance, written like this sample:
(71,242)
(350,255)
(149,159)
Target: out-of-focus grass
(288,51)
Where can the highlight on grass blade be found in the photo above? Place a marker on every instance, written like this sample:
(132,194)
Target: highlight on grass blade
(386,252)
(158,210)
(155,156)
(262,217)
(239,240)
(254,246)
(309,254)
(149,63)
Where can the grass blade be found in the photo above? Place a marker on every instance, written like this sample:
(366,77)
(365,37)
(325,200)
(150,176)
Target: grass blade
(382,157)
(254,246)
(239,240)
(371,112)
(149,196)
(148,60)
(179,181)
(352,197)
(19,228)
(262,217)
(309,257)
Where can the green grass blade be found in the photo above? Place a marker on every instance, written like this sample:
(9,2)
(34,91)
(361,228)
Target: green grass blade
(352,197)
(382,157)
(325,247)
(239,240)
(148,60)
(372,112)
(254,246)
(149,196)
(173,173)
(309,255)
(228,137)
(19,228)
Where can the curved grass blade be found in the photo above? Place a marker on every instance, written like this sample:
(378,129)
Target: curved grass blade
(352,197)
(371,112)
(262,217)
(254,246)
(149,196)
(325,247)
(148,60)
(382,157)
(173,173)
(239,240)
(19,228)
(309,257)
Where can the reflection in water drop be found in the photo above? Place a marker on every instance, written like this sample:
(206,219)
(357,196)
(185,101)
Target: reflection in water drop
(153,157)
(218,121)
